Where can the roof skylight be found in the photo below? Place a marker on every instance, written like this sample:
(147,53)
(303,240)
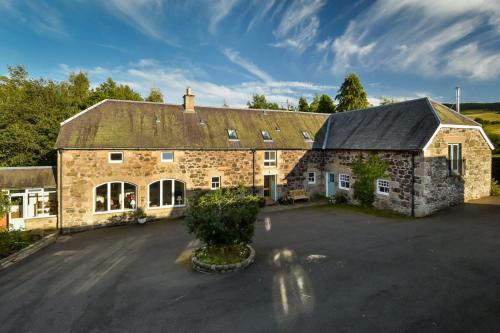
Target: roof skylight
(232,134)
(307,136)
(266,136)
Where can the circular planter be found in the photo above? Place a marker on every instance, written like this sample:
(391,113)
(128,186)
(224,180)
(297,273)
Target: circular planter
(142,220)
(207,268)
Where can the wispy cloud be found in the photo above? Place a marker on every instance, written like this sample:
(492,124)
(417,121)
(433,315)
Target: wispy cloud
(219,10)
(249,66)
(299,25)
(173,80)
(42,18)
(144,15)
(427,37)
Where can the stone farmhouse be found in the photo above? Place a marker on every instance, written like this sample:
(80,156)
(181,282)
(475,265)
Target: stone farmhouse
(119,155)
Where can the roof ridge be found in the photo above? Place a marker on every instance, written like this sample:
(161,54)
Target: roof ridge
(223,107)
(380,106)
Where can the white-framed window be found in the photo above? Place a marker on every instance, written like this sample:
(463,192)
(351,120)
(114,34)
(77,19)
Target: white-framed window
(266,136)
(215,183)
(383,186)
(344,181)
(166,193)
(232,134)
(115,157)
(33,202)
(455,158)
(270,158)
(167,156)
(307,136)
(311,177)
(115,197)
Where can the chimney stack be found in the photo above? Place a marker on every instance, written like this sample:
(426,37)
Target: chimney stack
(189,100)
(457,97)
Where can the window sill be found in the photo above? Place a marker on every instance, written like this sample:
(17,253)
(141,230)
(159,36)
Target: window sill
(164,207)
(38,217)
(114,211)
(344,188)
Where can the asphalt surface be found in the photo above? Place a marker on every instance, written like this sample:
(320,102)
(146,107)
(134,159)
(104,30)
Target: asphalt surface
(317,269)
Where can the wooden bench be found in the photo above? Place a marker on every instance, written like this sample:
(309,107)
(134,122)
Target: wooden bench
(298,195)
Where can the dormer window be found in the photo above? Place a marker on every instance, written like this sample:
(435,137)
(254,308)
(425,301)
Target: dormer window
(307,136)
(266,136)
(232,135)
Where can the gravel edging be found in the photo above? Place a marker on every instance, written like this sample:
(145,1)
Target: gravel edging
(207,268)
(29,250)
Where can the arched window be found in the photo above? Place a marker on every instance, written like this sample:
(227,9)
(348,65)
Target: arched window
(167,193)
(115,196)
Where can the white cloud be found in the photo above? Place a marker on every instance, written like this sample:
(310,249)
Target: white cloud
(249,66)
(303,38)
(173,80)
(426,37)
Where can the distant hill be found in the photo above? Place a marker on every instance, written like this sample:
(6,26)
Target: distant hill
(477,106)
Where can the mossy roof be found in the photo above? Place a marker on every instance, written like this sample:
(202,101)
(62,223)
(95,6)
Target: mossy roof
(27,177)
(139,125)
(113,124)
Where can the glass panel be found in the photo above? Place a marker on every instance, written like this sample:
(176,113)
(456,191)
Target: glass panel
(52,203)
(35,206)
(167,156)
(167,193)
(331,177)
(130,196)
(179,193)
(232,134)
(116,196)
(215,183)
(16,207)
(266,135)
(101,198)
(116,157)
(154,194)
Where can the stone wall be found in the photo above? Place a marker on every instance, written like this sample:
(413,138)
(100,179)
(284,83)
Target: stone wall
(436,188)
(399,175)
(44,223)
(83,170)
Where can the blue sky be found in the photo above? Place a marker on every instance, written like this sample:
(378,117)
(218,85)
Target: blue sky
(230,49)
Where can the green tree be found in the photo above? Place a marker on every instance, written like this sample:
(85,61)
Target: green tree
(351,94)
(155,95)
(79,89)
(303,106)
(325,105)
(386,100)
(4,204)
(109,89)
(260,102)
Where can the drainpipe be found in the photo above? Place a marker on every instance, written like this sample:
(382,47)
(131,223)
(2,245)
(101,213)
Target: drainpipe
(253,171)
(412,184)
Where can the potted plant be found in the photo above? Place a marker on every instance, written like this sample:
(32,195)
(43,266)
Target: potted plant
(225,221)
(140,216)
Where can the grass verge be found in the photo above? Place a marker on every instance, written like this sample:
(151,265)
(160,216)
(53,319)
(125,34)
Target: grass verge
(222,255)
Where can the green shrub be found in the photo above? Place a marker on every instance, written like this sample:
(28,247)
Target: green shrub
(495,187)
(366,173)
(337,199)
(223,218)
(4,203)
(13,241)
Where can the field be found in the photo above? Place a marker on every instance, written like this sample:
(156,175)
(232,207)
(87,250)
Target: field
(487,117)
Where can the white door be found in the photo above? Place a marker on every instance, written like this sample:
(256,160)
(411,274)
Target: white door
(17,211)
(330,184)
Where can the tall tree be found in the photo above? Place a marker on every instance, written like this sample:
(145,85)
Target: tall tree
(155,95)
(303,106)
(109,89)
(351,94)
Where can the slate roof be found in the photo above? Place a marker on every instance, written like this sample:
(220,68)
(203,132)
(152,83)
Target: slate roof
(400,126)
(124,124)
(113,124)
(26,177)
